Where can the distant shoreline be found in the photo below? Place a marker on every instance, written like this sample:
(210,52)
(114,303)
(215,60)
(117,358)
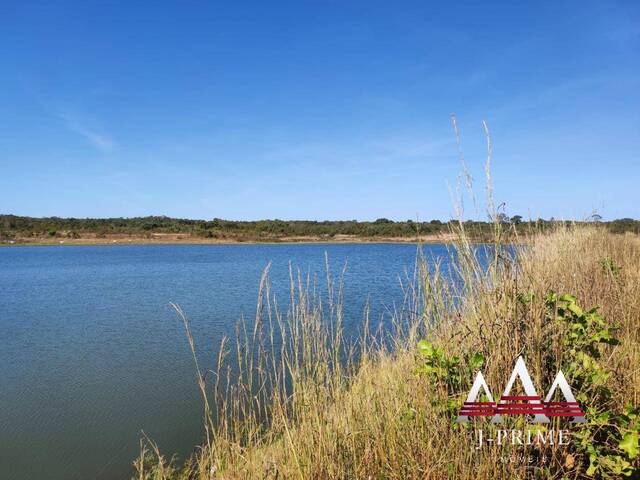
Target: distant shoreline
(16,230)
(181,239)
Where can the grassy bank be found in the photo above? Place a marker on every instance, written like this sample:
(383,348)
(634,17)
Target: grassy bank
(307,403)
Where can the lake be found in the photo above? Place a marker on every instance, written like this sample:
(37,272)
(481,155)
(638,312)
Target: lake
(92,354)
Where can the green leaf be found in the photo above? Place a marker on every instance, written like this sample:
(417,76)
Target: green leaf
(631,411)
(575,308)
(601,418)
(593,466)
(476,361)
(629,444)
(425,348)
(567,298)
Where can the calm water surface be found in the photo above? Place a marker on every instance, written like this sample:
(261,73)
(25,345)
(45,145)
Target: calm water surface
(91,354)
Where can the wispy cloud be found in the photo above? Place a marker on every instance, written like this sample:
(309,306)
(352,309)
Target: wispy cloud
(89,131)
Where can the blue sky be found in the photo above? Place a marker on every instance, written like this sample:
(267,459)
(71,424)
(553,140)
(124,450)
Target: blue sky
(317,110)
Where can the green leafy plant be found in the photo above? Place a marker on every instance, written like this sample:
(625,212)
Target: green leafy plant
(609,440)
(449,372)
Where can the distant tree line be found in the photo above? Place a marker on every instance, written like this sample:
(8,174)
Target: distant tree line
(15,227)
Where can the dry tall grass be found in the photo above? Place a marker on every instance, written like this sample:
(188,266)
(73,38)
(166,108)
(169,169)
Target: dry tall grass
(305,403)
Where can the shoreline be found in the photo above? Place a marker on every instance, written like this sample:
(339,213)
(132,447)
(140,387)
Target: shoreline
(178,239)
